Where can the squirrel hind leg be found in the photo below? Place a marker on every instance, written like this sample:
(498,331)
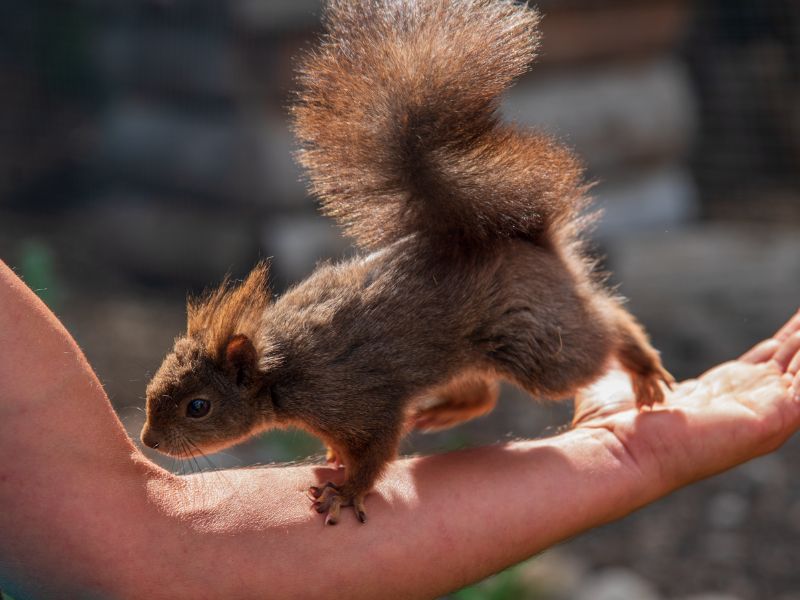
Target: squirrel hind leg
(641,361)
(332,457)
(464,398)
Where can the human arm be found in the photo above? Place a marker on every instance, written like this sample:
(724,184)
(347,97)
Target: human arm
(82,511)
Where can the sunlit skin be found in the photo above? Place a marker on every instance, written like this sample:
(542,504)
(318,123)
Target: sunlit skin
(84,514)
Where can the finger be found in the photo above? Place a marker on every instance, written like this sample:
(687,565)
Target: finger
(794,366)
(761,353)
(787,351)
(791,326)
(765,350)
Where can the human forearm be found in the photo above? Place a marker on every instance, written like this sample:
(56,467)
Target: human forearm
(49,394)
(446,520)
(82,512)
(482,510)
(436,523)
(61,447)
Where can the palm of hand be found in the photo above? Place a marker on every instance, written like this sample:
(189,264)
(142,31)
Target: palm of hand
(732,413)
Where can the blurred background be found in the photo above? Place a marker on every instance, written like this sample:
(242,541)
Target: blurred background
(145,152)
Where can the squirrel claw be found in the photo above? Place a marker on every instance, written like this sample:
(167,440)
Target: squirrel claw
(667,378)
(333,506)
(329,499)
(317,491)
(358,506)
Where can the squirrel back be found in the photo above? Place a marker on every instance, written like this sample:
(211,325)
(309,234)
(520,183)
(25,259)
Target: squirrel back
(397,116)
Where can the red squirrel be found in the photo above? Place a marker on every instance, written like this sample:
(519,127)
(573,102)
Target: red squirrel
(471,268)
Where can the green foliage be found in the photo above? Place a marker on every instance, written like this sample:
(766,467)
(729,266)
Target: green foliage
(37,269)
(456,440)
(290,445)
(508,585)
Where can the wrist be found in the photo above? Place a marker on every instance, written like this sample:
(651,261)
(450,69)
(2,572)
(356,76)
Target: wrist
(634,473)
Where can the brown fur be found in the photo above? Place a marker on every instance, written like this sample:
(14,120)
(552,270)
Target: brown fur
(475,274)
(397,116)
(229,310)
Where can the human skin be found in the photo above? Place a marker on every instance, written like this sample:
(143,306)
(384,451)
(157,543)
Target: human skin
(84,514)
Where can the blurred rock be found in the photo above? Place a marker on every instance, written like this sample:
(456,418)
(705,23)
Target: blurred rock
(612,116)
(278,178)
(555,574)
(616,584)
(766,471)
(261,15)
(167,60)
(630,29)
(213,157)
(776,558)
(172,245)
(199,154)
(297,244)
(725,548)
(186,13)
(793,517)
(710,596)
(708,293)
(656,198)
(727,510)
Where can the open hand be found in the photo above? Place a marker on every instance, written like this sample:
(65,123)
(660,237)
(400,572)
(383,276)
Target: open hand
(730,414)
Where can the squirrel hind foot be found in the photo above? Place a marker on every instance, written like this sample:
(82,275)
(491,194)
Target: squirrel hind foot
(649,389)
(445,416)
(466,397)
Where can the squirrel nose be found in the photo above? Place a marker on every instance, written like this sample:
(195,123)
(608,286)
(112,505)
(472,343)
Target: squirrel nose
(149,439)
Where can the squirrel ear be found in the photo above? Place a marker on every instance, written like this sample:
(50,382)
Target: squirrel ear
(241,359)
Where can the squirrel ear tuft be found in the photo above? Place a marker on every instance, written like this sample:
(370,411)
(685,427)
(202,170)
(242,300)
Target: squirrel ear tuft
(241,360)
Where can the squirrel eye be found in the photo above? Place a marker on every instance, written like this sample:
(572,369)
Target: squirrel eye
(198,408)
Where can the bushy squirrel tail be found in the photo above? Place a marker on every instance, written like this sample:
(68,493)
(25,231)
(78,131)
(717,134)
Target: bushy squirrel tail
(397,116)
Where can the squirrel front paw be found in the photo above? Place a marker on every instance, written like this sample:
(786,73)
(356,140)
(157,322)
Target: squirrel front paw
(330,499)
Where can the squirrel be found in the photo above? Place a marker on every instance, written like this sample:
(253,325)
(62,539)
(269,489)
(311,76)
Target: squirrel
(471,267)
